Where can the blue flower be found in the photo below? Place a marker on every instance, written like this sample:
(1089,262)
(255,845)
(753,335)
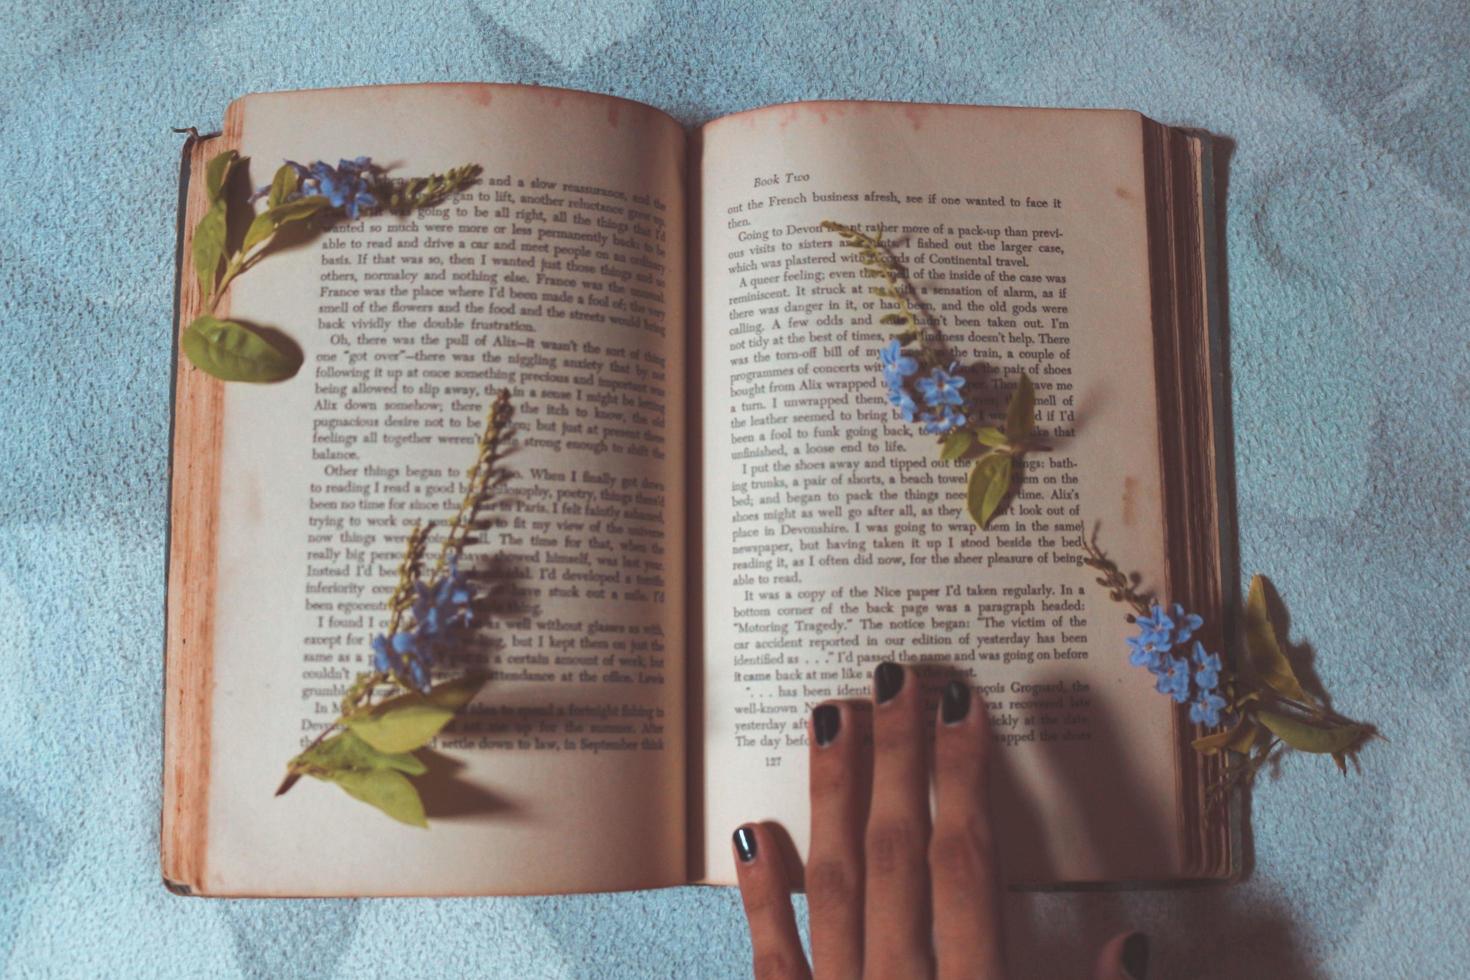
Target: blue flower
(348,186)
(1206,710)
(382,662)
(436,611)
(1146,651)
(895,361)
(942,388)
(420,674)
(946,421)
(1190,622)
(1208,675)
(1173,678)
(900,399)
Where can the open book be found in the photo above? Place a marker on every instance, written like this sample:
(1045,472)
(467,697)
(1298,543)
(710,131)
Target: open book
(715,520)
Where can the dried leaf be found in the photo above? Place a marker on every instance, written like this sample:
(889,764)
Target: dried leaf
(408,721)
(1238,738)
(209,246)
(217,174)
(1264,658)
(1021,414)
(1314,735)
(386,789)
(262,227)
(346,751)
(956,444)
(990,436)
(990,478)
(233,352)
(283,185)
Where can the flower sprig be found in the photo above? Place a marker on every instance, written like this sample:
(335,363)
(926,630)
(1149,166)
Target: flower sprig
(300,197)
(1258,704)
(369,750)
(926,385)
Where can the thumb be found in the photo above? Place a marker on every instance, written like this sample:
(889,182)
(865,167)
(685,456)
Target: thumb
(1124,957)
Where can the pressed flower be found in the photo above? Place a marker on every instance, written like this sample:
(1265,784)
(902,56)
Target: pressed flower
(1205,710)
(896,361)
(900,399)
(1173,678)
(941,387)
(1208,675)
(945,422)
(1185,623)
(382,661)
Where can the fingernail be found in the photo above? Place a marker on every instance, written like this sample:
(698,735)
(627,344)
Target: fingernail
(826,722)
(745,844)
(1135,956)
(954,704)
(888,681)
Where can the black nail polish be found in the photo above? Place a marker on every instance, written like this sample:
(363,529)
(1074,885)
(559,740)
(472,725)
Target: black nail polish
(1135,956)
(745,844)
(826,723)
(954,703)
(887,681)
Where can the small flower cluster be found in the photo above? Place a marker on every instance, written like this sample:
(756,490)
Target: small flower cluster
(1184,671)
(939,390)
(348,186)
(438,609)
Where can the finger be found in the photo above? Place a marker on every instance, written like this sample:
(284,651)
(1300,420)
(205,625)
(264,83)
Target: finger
(896,938)
(1124,957)
(766,892)
(834,867)
(967,935)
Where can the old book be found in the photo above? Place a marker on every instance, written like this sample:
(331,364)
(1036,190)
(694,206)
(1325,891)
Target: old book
(716,520)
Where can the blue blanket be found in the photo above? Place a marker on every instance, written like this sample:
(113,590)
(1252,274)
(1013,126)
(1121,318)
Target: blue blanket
(1345,227)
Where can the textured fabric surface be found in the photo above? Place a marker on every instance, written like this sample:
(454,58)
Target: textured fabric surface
(1345,225)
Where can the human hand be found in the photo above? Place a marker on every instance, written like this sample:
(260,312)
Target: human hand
(888,896)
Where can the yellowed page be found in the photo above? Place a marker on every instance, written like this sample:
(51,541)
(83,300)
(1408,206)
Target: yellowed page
(835,539)
(560,276)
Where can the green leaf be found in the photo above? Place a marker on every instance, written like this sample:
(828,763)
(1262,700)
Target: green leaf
(261,228)
(209,246)
(386,789)
(1264,658)
(956,444)
(346,751)
(408,721)
(990,478)
(459,692)
(1314,735)
(232,352)
(217,174)
(990,436)
(283,185)
(297,210)
(1021,415)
